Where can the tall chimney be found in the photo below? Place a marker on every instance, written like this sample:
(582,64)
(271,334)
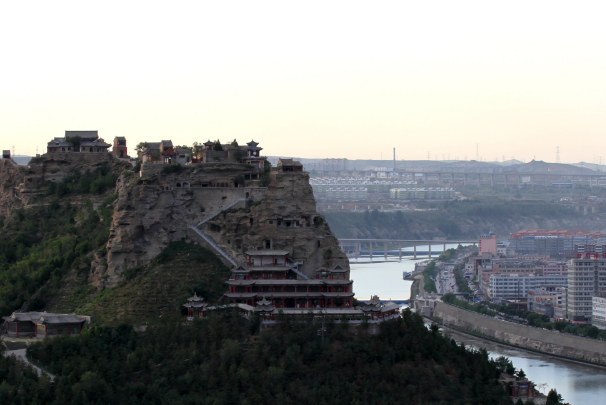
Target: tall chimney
(394,159)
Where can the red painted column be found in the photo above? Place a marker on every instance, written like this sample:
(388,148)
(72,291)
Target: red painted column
(249,260)
(261,258)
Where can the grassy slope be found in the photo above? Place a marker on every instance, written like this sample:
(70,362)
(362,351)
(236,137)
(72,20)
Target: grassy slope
(161,287)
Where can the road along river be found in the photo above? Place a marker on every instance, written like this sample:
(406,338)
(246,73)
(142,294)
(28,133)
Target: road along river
(577,383)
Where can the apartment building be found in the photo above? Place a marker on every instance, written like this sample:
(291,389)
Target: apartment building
(598,317)
(514,286)
(586,279)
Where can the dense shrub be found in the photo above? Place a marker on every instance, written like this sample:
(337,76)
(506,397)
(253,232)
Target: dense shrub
(212,361)
(42,243)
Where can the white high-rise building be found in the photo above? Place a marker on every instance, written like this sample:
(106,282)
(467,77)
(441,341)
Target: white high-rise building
(586,279)
(514,286)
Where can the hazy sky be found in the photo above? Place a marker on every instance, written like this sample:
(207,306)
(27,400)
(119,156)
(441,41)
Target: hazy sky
(311,79)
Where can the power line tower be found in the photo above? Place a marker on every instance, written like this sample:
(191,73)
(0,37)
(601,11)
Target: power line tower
(557,154)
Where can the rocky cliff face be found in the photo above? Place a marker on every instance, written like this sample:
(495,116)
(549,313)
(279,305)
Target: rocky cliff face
(286,219)
(21,185)
(156,209)
(11,176)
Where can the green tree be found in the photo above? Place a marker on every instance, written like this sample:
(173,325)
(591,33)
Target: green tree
(218,146)
(155,155)
(75,141)
(553,398)
(238,180)
(141,146)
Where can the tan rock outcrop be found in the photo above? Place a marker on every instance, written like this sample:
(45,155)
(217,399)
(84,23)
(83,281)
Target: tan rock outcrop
(11,176)
(156,209)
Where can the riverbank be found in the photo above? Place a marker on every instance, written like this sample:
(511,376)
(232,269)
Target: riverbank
(523,336)
(514,346)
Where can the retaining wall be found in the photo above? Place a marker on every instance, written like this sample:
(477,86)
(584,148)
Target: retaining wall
(561,344)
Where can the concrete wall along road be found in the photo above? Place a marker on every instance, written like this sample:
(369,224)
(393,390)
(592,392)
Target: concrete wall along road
(551,342)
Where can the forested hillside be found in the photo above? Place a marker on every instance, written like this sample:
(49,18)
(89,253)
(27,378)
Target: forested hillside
(214,361)
(41,245)
(462,219)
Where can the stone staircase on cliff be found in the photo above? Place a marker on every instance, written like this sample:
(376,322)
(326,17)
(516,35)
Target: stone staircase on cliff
(221,210)
(222,252)
(210,240)
(212,243)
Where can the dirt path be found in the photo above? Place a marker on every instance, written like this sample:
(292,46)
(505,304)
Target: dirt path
(20,354)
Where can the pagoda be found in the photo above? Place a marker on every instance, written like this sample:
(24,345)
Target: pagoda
(271,275)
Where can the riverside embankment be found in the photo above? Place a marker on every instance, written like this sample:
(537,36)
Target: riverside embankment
(560,344)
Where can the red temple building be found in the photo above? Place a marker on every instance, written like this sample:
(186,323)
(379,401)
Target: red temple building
(119,150)
(270,283)
(272,275)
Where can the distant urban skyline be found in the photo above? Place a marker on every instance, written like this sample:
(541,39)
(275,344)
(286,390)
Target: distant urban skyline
(315,80)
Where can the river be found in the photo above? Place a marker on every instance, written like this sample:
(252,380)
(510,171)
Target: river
(384,278)
(576,383)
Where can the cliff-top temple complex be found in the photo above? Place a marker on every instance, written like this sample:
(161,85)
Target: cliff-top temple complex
(260,221)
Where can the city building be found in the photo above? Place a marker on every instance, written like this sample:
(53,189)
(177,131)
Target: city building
(553,268)
(320,185)
(42,324)
(346,193)
(516,265)
(327,165)
(487,243)
(514,286)
(556,242)
(502,248)
(598,312)
(544,300)
(422,193)
(381,171)
(560,311)
(425,304)
(78,141)
(119,149)
(586,279)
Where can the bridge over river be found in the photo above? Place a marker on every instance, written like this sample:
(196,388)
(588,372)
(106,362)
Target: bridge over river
(354,247)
